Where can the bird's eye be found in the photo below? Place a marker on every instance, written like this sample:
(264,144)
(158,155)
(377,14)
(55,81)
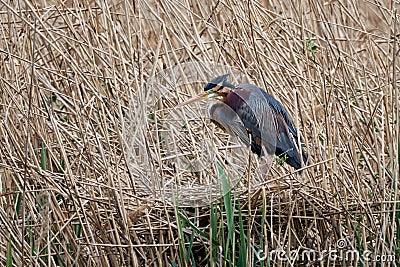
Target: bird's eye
(219,87)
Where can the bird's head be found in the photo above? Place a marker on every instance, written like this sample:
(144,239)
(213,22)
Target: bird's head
(219,83)
(217,88)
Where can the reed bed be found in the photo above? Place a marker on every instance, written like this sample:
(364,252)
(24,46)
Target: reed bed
(88,90)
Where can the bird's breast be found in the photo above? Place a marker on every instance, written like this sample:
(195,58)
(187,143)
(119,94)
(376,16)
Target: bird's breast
(238,101)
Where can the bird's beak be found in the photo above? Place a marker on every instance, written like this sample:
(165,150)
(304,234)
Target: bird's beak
(207,94)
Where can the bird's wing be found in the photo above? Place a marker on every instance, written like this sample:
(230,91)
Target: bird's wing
(284,122)
(227,118)
(260,98)
(277,118)
(287,133)
(260,115)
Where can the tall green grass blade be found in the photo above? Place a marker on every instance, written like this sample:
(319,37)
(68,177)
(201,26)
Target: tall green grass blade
(242,261)
(215,244)
(196,229)
(225,186)
(9,253)
(182,249)
(190,256)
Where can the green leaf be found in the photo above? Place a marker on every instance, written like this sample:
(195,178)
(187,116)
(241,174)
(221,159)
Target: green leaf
(195,228)
(243,242)
(226,193)
(262,230)
(151,116)
(215,243)
(9,253)
(53,97)
(312,47)
(282,159)
(181,241)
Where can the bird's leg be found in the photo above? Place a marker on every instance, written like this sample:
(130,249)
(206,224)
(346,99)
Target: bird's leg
(265,163)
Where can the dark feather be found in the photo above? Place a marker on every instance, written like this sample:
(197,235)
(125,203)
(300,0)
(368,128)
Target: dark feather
(287,138)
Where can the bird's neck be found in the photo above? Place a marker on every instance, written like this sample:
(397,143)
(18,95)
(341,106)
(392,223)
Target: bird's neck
(236,98)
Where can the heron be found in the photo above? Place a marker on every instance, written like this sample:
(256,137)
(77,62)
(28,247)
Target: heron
(246,110)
